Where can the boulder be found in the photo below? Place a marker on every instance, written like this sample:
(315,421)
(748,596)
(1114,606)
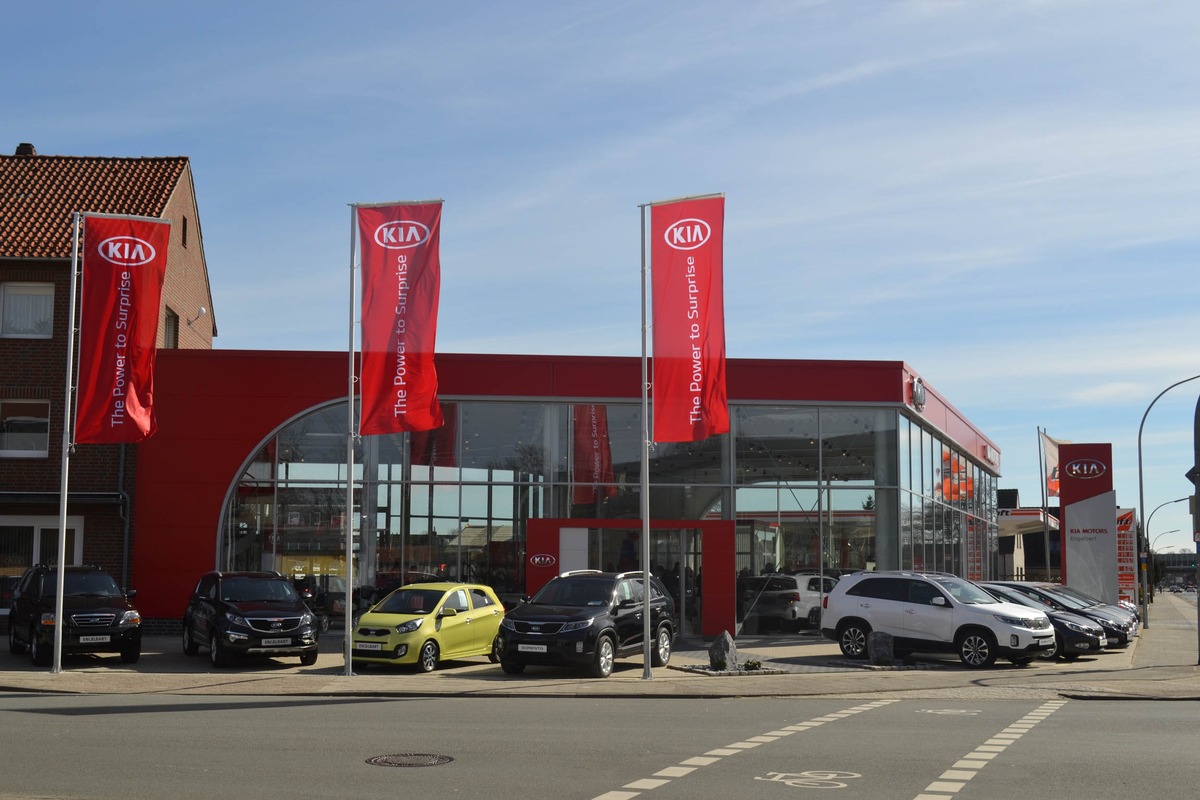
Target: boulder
(881,649)
(722,653)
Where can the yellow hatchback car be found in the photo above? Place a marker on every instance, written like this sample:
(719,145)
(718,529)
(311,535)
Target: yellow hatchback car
(424,623)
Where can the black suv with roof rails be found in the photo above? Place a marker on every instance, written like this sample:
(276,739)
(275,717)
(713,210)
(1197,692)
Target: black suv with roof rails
(587,618)
(248,614)
(99,617)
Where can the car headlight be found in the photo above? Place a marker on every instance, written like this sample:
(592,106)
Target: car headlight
(236,620)
(410,626)
(131,618)
(1019,622)
(507,624)
(1075,626)
(577,626)
(307,618)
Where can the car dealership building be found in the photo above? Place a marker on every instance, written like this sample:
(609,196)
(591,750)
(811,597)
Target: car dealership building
(829,466)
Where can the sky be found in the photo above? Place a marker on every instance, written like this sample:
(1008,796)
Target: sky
(1000,193)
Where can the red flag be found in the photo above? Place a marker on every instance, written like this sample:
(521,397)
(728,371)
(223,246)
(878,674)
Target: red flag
(124,264)
(400,285)
(593,471)
(690,403)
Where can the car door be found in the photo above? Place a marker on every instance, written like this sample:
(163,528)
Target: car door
(20,618)
(204,610)
(925,620)
(880,601)
(455,630)
(486,614)
(628,615)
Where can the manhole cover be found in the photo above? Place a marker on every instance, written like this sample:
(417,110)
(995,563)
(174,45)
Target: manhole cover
(410,760)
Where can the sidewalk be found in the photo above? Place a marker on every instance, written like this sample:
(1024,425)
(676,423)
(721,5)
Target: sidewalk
(1160,664)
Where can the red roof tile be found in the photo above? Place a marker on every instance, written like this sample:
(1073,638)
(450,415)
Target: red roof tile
(38,195)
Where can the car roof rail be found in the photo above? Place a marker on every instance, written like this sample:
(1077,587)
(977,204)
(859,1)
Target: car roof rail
(580,572)
(637,573)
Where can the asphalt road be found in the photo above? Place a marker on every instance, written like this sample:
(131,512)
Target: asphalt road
(182,747)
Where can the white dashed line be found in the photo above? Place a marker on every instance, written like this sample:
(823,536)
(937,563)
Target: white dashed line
(954,779)
(690,765)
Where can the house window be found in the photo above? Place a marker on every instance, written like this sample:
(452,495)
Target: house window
(183,233)
(171,331)
(24,428)
(27,310)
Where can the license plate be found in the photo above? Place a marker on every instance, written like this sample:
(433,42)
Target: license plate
(531,648)
(1046,642)
(276,642)
(368,646)
(94,639)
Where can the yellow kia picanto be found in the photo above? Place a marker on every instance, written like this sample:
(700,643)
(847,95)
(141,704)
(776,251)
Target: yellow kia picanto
(424,623)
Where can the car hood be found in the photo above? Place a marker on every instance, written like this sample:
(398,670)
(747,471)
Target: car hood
(79,603)
(1060,617)
(533,612)
(267,609)
(1009,610)
(386,618)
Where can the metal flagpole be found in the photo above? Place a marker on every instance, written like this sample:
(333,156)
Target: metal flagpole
(645,475)
(1044,477)
(348,521)
(68,402)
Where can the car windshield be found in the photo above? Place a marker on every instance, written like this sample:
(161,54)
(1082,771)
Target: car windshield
(1082,597)
(411,601)
(575,592)
(256,590)
(966,592)
(82,584)
(1068,600)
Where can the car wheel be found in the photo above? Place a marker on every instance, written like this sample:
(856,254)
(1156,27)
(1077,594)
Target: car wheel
(41,654)
(15,647)
(497,647)
(1022,662)
(977,649)
(660,656)
(216,651)
(814,617)
(852,639)
(308,659)
(1069,657)
(324,625)
(428,659)
(512,667)
(602,662)
(131,653)
(190,648)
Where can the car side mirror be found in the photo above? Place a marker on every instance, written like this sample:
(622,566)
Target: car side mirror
(448,612)
(306,594)
(938,601)
(130,593)
(630,603)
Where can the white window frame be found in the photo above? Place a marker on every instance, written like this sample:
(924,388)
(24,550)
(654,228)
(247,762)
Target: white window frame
(48,526)
(27,289)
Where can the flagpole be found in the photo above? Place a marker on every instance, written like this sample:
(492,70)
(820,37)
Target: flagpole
(645,474)
(348,518)
(1044,477)
(60,580)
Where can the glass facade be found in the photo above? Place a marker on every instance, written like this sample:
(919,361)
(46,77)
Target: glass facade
(810,488)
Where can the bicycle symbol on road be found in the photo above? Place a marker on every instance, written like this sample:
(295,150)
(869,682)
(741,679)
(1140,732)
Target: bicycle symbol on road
(811,779)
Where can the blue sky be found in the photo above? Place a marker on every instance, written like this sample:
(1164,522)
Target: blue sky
(1001,193)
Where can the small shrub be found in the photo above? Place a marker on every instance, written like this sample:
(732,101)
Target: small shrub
(753,664)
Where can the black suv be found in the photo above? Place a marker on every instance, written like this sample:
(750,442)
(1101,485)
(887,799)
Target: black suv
(587,618)
(99,616)
(248,613)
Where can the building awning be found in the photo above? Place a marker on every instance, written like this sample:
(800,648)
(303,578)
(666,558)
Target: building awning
(1013,521)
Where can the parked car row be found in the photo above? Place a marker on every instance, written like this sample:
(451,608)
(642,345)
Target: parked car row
(934,612)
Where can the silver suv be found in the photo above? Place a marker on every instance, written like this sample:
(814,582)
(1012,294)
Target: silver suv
(933,612)
(779,600)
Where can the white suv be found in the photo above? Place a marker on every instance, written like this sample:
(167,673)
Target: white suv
(782,600)
(927,612)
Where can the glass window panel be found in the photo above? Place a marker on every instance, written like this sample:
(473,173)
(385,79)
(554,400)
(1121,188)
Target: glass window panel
(858,446)
(515,441)
(775,443)
(24,428)
(789,513)
(27,310)
(688,462)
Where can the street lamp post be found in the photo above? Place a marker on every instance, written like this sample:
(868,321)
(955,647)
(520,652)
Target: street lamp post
(1150,551)
(1142,486)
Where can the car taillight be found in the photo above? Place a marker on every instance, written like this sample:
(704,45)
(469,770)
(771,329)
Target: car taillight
(794,597)
(825,602)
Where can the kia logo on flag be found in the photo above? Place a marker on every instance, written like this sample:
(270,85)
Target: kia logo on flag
(543,560)
(401,234)
(1086,468)
(687,234)
(126,251)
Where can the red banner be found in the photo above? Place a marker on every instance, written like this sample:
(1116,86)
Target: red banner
(686,237)
(401,282)
(124,263)
(593,470)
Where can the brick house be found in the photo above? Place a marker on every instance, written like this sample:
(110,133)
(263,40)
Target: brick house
(39,195)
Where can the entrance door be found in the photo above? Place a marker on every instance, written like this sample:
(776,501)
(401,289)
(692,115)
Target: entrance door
(675,559)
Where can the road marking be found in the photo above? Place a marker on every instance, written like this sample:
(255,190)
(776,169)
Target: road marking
(954,779)
(810,779)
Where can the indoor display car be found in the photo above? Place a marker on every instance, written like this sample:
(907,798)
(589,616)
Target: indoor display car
(588,618)
(933,612)
(1074,635)
(249,614)
(425,623)
(99,617)
(782,601)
